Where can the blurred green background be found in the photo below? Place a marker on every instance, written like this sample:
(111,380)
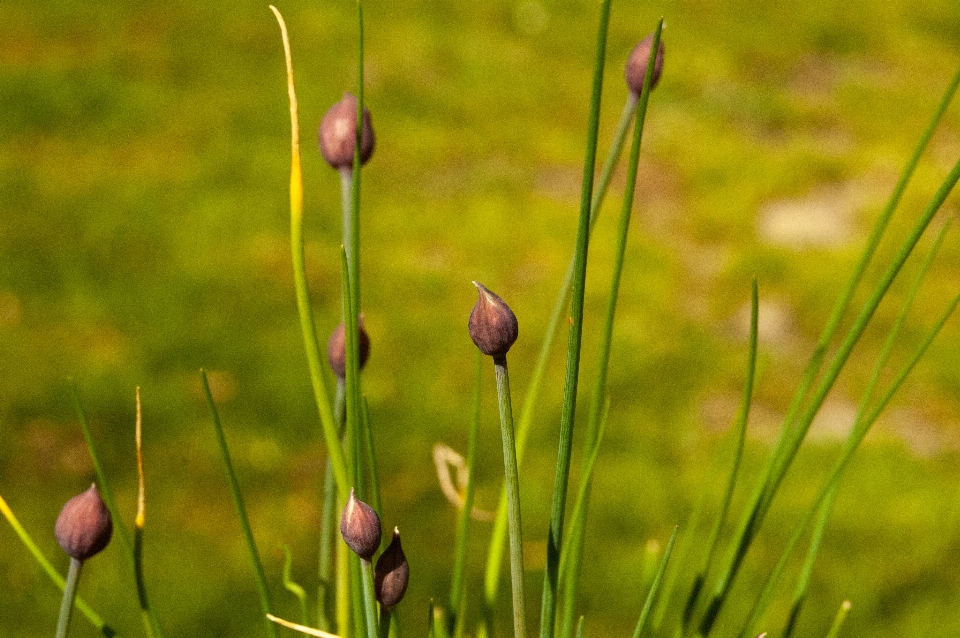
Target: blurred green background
(144,235)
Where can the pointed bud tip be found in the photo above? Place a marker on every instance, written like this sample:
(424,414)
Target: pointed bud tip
(84,526)
(360,527)
(493,326)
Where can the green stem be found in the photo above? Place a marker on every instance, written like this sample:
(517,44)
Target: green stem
(458,584)
(575,336)
(369,600)
(839,620)
(385,618)
(655,586)
(792,437)
(258,572)
(499,534)
(511,479)
(69,593)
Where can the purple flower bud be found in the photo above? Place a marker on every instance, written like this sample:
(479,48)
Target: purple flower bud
(392,573)
(338,136)
(493,326)
(337,348)
(636,68)
(84,526)
(360,528)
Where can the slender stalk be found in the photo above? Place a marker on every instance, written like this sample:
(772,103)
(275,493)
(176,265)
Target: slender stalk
(369,600)
(743,416)
(793,436)
(48,567)
(655,586)
(134,548)
(859,431)
(531,400)
(571,558)
(308,327)
(385,617)
(326,602)
(150,625)
(458,585)
(839,619)
(575,336)
(292,586)
(69,593)
(258,572)
(575,549)
(511,478)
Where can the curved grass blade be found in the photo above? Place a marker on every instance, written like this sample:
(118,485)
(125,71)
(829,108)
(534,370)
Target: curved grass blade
(743,416)
(255,561)
(574,342)
(655,586)
(307,325)
(458,585)
(293,587)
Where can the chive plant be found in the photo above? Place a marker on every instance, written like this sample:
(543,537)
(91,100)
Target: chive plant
(367,591)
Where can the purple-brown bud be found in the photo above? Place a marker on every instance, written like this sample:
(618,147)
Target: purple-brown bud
(360,528)
(337,348)
(493,326)
(392,573)
(636,68)
(84,526)
(338,133)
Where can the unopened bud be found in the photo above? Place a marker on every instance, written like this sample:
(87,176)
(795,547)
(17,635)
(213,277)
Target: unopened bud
(392,573)
(360,528)
(636,68)
(493,326)
(84,526)
(337,348)
(338,133)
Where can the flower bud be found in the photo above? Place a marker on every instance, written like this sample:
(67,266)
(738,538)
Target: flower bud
(392,573)
(84,526)
(493,326)
(338,133)
(337,348)
(636,68)
(360,528)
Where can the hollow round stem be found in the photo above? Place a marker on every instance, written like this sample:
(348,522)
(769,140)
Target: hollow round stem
(384,622)
(369,599)
(512,482)
(69,593)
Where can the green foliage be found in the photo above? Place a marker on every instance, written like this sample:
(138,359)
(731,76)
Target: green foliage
(143,180)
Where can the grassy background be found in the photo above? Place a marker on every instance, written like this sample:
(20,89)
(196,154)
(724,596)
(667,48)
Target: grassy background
(143,235)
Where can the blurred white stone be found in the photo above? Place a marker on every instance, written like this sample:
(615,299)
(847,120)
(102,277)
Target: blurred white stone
(824,218)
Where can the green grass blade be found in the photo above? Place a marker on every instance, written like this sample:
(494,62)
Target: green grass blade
(657,580)
(308,326)
(292,586)
(54,575)
(803,583)
(458,584)
(886,350)
(150,624)
(759,507)
(326,598)
(370,455)
(743,416)
(859,431)
(575,336)
(531,400)
(257,565)
(839,620)
(571,558)
(133,549)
